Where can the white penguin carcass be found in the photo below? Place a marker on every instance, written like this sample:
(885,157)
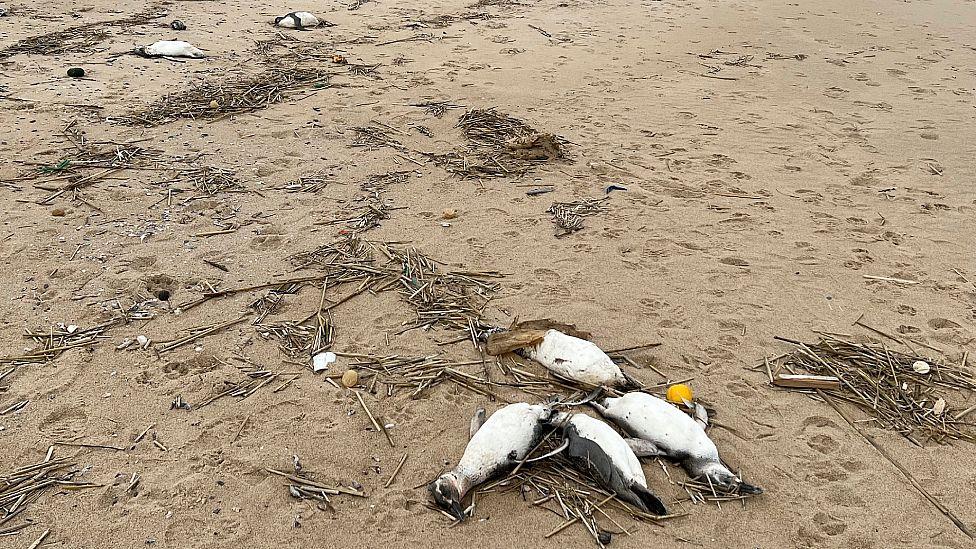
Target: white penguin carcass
(297,20)
(501,442)
(596,446)
(561,348)
(171,48)
(576,359)
(664,430)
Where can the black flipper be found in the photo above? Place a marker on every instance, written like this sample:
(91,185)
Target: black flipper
(298,20)
(651,502)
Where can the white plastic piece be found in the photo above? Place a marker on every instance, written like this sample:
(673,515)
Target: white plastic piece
(321,361)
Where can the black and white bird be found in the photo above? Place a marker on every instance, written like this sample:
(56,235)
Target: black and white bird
(501,442)
(300,20)
(170,48)
(597,447)
(664,430)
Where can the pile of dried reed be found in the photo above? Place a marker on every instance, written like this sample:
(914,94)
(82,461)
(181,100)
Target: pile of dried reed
(79,38)
(500,146)
(568,216)
(221,98)
(914,395)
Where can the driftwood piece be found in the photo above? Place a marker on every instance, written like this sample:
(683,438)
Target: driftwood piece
(799,381)
(530,332)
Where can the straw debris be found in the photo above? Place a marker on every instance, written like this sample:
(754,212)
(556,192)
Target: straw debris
(499,146)
(222,98)
(568,216)
(80,38)
(888,386)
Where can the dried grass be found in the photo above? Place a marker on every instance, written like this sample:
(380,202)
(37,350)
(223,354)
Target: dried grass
(81,38)
(885,384)
(221,98)
(500,146)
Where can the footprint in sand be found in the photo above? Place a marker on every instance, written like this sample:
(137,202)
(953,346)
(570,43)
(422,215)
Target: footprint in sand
(829,524)
(64,422)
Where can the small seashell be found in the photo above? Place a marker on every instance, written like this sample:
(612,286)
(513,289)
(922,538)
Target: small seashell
(939,407)
(921,367)
(449,213)
(445,224)
(214,104)
(350,378)
(177,25)
(72,328)
(143,341)
(321,361)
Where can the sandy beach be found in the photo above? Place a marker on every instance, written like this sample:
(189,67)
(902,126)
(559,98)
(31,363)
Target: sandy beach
(784,169)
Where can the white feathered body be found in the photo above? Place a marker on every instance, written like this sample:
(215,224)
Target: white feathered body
(616,448)
(576,359)
(505,439)
(306,18)
(658,422)
(173,48)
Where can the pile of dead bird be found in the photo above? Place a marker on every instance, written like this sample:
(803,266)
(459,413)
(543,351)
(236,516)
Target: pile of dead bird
(573,461)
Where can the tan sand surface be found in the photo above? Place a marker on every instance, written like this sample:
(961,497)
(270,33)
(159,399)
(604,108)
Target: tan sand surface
(773,154)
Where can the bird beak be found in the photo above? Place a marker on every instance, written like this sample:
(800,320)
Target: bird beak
(457,511)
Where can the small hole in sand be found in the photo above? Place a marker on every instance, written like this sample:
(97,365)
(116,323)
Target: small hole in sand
(162,295)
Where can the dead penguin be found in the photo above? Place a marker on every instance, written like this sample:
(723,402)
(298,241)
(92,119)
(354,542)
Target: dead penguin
(664,430)
(170,48)
(576,359)
(500,443)
(300,20)
(596,446)
(562,349)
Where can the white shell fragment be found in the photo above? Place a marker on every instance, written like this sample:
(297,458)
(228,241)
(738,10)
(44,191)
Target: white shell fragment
(939,407)
(921,367)
(143,341)
(297,20)
(321,361)
(171,48)
(576,359)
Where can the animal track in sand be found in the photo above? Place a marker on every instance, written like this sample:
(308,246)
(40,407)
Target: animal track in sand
(554,295)
(266,242)
(943,324)
(829,525)
(906,310)
(825,444)
(546,275)
(741,389)
(64,422)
